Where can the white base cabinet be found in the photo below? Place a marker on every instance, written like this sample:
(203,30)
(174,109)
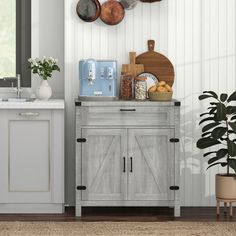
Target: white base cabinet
(31,161)
(127,162)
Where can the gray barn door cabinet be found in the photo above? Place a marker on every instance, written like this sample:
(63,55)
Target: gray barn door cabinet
(127,154)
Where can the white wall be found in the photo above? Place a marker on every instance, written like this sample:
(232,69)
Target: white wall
(48,39)
(199,37)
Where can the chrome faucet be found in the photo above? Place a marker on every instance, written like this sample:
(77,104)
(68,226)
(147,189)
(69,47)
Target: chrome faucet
(18,84)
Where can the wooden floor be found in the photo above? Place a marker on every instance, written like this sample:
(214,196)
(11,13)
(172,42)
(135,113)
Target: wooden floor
(125,214)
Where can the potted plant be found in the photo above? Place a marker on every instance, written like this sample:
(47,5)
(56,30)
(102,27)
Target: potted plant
(219,131)
(44,68)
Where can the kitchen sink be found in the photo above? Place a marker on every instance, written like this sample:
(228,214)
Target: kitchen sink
(17,100)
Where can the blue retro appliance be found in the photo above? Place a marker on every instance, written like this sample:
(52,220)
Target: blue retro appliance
(98,79)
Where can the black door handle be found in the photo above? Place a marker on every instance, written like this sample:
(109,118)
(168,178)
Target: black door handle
(131,164)
(127,109)
(124,170)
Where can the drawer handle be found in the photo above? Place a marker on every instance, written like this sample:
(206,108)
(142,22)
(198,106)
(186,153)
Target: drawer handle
(127,109)
(28,114)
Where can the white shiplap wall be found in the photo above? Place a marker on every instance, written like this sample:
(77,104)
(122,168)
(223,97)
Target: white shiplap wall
(199,37)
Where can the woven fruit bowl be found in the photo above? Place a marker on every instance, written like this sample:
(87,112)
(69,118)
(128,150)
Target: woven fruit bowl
(160,96)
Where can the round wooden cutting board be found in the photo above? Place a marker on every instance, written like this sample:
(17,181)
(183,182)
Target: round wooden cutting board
(157,64)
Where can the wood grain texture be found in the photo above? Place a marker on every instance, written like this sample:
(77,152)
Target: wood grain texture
(132,68)
(102,164)
(126,161)
(157,64)
(153,164)
(145,116)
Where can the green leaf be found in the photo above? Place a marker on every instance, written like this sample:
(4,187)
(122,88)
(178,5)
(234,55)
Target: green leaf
(209,126)
(232,164)
(231,148)
(213,159)
(223,97)
(222,153)
(233,126)
(206,119)
(214,103)
(232,97)
(208,153)
(221,112)
(206,133)
(202,97)
(223,164)
(204,114)
(233,118)
(223,139)
(212,110)
(206,143)
(218,132)
(230,110)
(212,93)
(217,163)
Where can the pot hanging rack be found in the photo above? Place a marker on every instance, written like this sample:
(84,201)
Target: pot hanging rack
(111,12)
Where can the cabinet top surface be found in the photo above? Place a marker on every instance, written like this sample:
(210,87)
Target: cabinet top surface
(54,104)
(126,103)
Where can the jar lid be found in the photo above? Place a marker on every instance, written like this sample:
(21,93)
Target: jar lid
(141,78)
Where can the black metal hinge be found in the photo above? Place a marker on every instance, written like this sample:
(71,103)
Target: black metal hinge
(177,104)
(78,104)
(81,187)
(81,140)
(174,140)
(174,188)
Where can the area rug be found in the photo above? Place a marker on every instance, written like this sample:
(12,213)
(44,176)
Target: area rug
(117,229)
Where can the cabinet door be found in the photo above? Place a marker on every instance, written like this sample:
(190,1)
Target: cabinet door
(151,164)
(28,168)
(104,164)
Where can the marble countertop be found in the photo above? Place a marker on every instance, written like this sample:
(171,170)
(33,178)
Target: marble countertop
(37,104)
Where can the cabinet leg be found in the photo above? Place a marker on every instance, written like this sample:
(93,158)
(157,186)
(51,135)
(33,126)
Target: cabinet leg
(225,208)
(231,209)
(177,211)
(78,211)
(218,208)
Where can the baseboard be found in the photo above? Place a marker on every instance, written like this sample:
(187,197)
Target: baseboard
(32,208)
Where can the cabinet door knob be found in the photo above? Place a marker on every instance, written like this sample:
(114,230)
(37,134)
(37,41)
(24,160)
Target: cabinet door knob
(28,114)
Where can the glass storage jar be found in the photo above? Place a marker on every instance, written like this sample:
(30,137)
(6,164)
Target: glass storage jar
(140,88)
(126,87)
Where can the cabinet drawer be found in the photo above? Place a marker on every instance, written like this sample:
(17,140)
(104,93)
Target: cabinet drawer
(129,116)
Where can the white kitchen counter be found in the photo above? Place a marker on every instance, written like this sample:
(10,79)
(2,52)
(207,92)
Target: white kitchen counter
(37,104)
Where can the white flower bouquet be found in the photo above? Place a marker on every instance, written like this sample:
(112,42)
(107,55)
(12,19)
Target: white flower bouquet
(44,67)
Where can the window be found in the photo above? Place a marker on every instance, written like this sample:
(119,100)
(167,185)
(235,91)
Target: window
(15,40)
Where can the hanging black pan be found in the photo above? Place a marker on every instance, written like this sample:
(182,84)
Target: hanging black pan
(88,10)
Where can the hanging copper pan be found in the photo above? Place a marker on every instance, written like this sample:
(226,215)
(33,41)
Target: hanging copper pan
(112,12)
(88,10)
